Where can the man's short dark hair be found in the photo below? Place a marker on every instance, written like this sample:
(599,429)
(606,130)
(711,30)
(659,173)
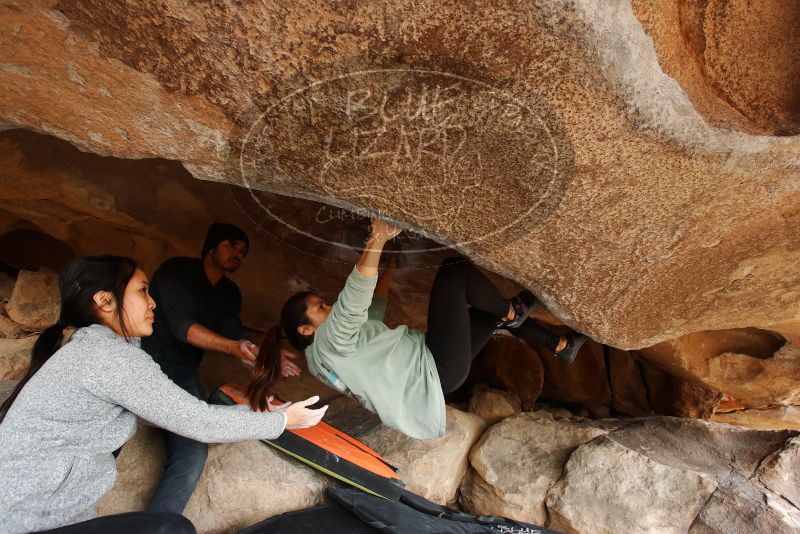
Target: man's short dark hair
(219,232)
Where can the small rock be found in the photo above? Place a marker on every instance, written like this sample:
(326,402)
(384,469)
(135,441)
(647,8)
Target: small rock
(8,328)
(511,364)
(35,301)
(494,405)
(15,356)
(6,286)
(6,387)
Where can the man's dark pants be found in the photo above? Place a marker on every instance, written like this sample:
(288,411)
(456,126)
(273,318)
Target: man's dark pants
(186,457)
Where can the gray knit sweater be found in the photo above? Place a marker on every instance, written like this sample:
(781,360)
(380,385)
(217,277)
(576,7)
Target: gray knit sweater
(57,439)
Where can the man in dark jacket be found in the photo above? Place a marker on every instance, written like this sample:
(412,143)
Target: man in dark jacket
(197,310)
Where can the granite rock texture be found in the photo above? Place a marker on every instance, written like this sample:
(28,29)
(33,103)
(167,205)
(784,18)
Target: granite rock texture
(658,474)
(635,216)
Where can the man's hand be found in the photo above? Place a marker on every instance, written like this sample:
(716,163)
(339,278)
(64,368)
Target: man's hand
(245,350)
(288,367)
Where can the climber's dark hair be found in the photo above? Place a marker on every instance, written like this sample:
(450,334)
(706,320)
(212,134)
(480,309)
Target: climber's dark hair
(77,283)
(267,369)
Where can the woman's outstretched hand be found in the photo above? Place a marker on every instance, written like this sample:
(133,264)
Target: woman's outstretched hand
(383,231)
(276,407)
(299,416)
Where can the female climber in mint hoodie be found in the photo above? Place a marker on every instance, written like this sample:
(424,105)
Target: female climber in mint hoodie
(399,374)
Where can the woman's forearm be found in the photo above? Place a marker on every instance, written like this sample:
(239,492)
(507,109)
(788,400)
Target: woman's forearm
(380,233)
(368,262)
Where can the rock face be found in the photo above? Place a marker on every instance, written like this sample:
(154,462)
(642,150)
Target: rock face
(35,303)
(633,162)
(781,472)
(15,355)
(567,138)
(242,484)
(757,368)
(431,468)
(657,497)
(6,387)
(512,365)
(517,461)
(582,381)
(8,328)
(787,417)
(639,475)
(712,49)
(493,405)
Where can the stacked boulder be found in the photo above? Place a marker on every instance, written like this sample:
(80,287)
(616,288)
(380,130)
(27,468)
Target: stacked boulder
(28,304)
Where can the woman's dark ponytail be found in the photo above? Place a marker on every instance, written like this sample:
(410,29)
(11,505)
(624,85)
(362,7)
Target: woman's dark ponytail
(267,370)
(48,343)
(78,282)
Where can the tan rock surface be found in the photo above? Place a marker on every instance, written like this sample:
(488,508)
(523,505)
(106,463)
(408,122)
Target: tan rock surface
(636,228)
(512,365)
(6,387)
(8,328)
(783,418)
(781,472)
(757,368)
(432,468)
(494,405)
(737,506)
(35,302)
(715,50)
(658,474)
(647,496)
(15,356)
(517,461)
(584,381)
(6,286)
(242,484)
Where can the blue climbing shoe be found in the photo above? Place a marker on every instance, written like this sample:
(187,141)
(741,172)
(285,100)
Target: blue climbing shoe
(523,303)
(574,343)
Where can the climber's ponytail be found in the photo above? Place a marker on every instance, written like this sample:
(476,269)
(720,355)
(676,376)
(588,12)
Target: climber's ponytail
(267,369)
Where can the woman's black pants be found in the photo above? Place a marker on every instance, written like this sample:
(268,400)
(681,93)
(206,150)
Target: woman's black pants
(463,311)
(130,523)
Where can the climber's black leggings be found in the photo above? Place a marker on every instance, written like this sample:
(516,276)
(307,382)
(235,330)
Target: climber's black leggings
(130,523)
(463,311)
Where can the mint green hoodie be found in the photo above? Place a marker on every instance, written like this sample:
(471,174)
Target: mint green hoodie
(390,371)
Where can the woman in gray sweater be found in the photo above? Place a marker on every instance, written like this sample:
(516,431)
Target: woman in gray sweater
(87,382)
